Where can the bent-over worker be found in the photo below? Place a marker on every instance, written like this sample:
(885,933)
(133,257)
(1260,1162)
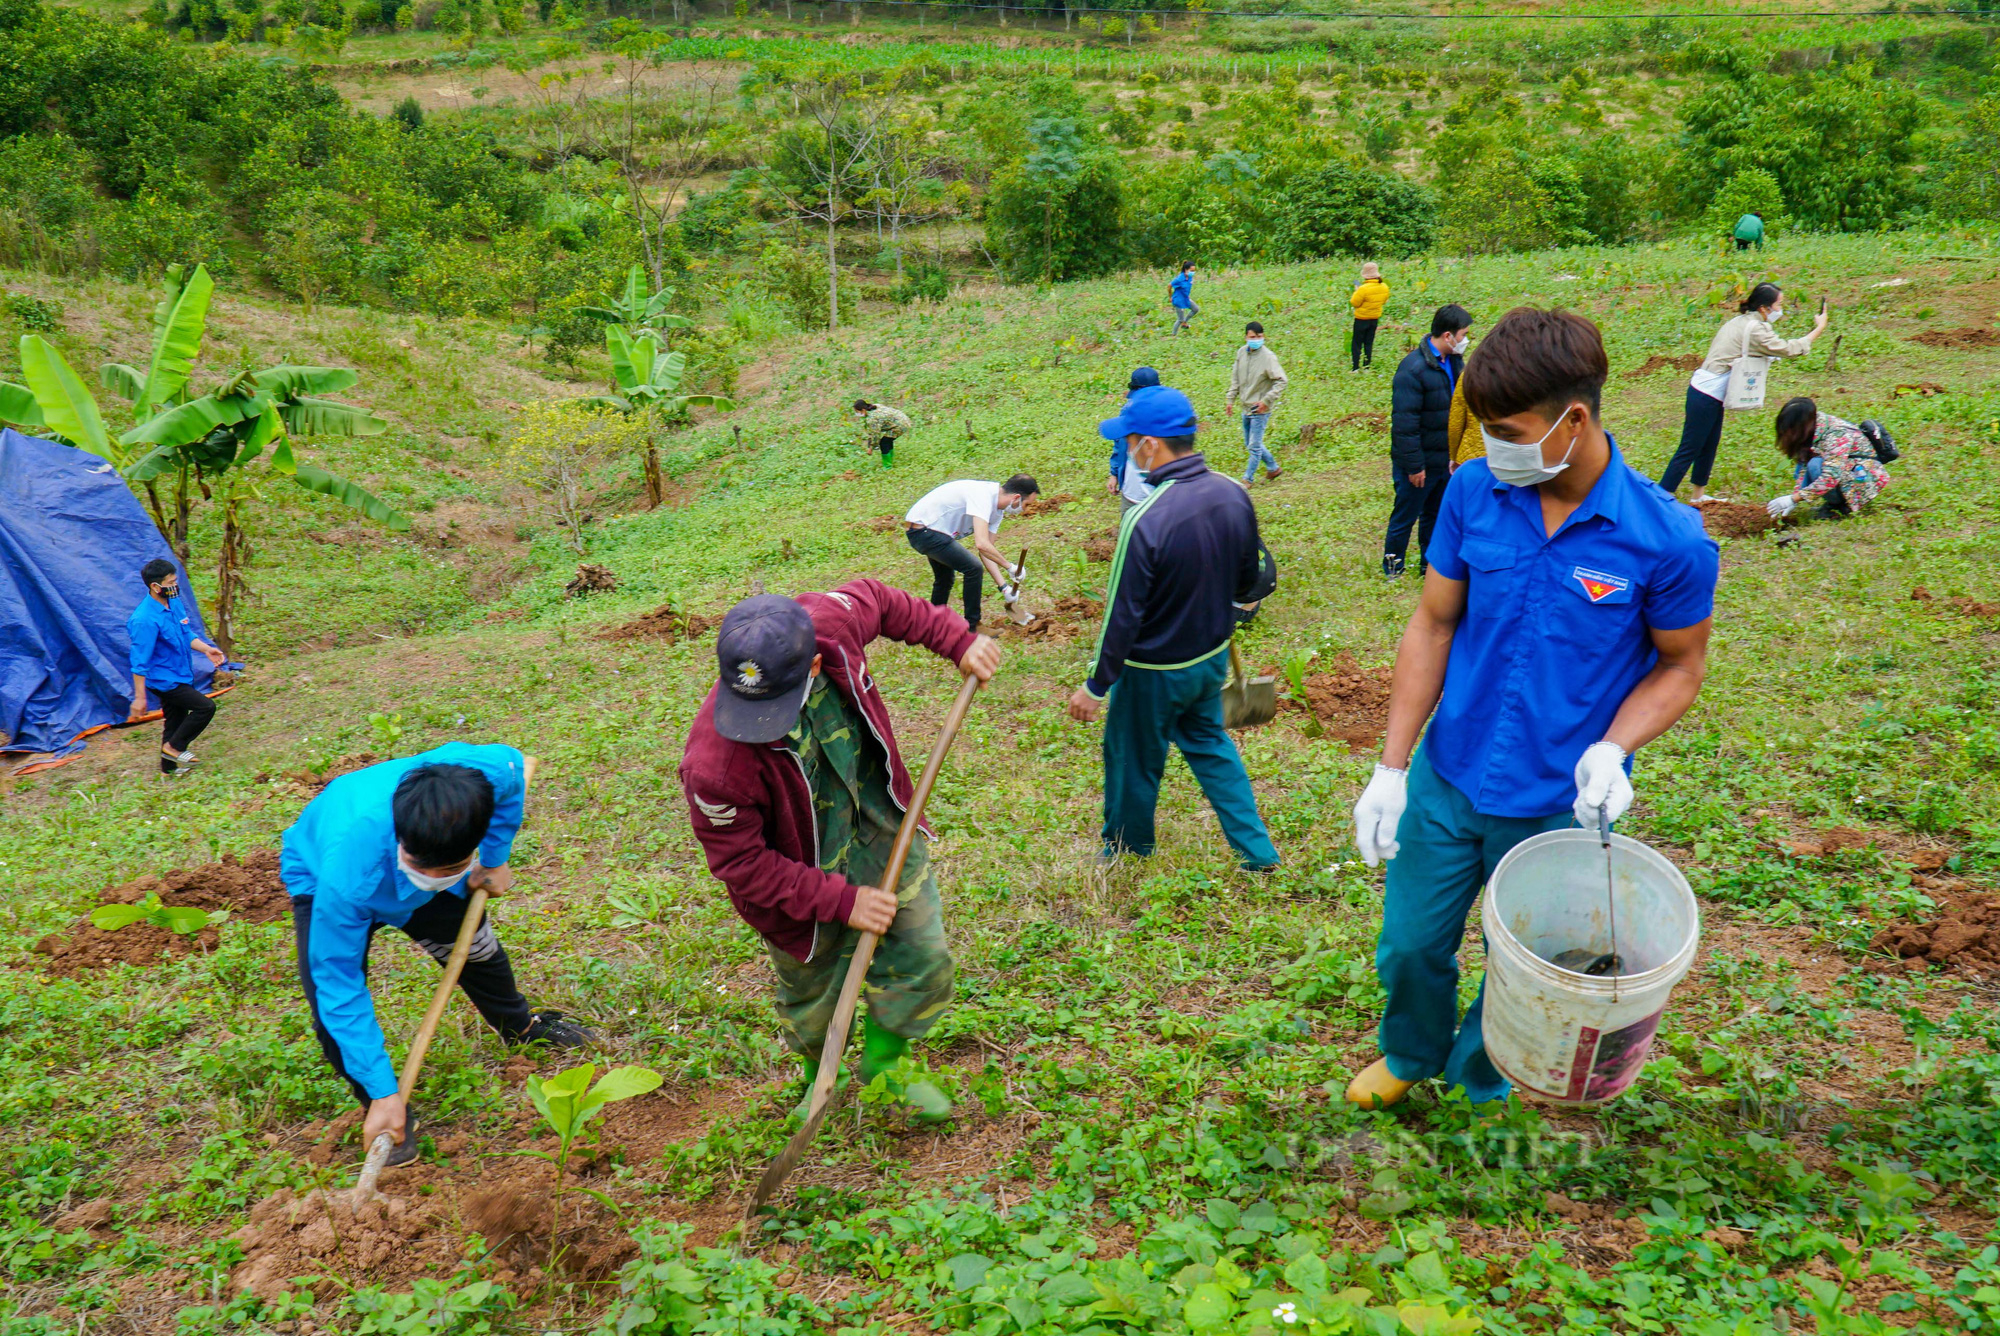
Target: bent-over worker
(1186,557)
(881,426)
(401,844)
(796,791)
(955,510)
(163,645)
(1563,624)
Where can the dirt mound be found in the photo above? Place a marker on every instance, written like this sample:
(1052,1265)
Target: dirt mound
(1039,504)
(1958,603)
(884,524)
(1685,362)
(1966,336)
(1925,388)
(1101,546)
(1351,703)
(1736,519)
(1371,421)
(591,579)
(313,783)
(288,1235)
(662,623)
(249,889)
(1965,938)
(1065,619)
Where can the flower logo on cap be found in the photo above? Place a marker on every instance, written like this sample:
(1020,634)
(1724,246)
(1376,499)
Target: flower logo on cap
(749,675)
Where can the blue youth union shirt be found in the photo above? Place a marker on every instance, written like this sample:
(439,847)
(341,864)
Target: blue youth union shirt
(162,643)
(342,853)
(1556,631)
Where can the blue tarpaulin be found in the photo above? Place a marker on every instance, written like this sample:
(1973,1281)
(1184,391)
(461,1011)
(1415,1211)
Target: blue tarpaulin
(72,541)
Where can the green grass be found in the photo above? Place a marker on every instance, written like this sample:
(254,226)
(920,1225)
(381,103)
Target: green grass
(1148,1060)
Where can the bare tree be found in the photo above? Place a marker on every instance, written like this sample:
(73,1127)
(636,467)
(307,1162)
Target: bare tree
(904,191)
(830,157)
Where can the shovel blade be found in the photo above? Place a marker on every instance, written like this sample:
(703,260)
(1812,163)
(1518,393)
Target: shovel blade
(1249,703)
(1020,616)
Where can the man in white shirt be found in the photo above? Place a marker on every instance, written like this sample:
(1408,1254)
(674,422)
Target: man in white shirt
(954,511)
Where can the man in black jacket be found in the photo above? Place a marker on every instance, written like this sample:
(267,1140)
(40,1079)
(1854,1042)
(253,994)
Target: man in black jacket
(1419,420)
(1186,556)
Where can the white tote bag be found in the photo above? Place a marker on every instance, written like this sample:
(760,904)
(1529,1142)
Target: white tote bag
(1746,377)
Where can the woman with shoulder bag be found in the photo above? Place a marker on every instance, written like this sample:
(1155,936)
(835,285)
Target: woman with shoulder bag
(1831,458)
(1732,376)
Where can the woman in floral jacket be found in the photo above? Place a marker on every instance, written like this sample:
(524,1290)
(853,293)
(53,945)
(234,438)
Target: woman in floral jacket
(1832,458)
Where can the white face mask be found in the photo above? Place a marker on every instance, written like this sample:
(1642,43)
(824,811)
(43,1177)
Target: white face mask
(1519,463)
(1013,510)
(1777,314)
(423,881)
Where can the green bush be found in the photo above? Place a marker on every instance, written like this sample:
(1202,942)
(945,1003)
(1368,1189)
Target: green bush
(1752,190)
(1341,209)
(1059,213)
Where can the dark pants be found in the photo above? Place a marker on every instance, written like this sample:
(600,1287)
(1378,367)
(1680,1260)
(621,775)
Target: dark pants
(1415,508)
(187,714)
(1701,433)
(1363,343)
(887,445)
(488,977)
(949,557)
(1150,708)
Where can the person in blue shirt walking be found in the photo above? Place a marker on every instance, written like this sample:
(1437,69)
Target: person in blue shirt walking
(1563,624)
(1125,482)
(400,844)
(163,649)
(1180,295)
(1186,557)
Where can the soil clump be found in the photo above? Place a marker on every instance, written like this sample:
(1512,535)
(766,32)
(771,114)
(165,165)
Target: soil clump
(1736,519)
(312,783)
(249,888)
(1964,938)
(1967,336)
(1101,546)
(1040,504)
(1657,362)
(1371,421)
(883,524)
(1957,603)
(1349,702)
(1065,619)
(662,623)
(591,579)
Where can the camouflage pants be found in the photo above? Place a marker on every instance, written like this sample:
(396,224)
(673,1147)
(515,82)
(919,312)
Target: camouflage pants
(909,981)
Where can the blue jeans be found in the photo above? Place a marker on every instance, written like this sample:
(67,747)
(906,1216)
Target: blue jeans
(1448,851)
(1835,501)
(1151,707)
(1253,438)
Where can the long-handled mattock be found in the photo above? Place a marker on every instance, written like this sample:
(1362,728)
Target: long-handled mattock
(1610,896)
(475,912)
(823,1100)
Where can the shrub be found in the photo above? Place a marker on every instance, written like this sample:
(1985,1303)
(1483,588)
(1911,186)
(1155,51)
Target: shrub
(923,281)
(1752,190)
(1341,209)
(409,114)
(1059,213)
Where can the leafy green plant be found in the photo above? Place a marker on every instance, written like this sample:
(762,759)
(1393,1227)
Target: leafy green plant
(184,919)
(568,1101)
(647,376)
(432,1308)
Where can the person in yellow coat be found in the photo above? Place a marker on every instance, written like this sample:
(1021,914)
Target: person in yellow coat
(1370,296)
(1462,430)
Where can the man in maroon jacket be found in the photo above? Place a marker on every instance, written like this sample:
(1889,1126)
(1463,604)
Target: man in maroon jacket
(796,791)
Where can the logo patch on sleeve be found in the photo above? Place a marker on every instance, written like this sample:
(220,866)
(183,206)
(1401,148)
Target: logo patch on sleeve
(1598,585)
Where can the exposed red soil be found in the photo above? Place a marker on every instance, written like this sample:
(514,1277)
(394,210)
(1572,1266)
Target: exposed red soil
(1964,937)
(662,623)
(1065,619)
(313,783)
(1371,421)
(1657,362)
(884,524)
(1040,504)
(1967,336)
(249,889)
(591,579)
(1958,603)
(1351,703)
(1101,546)
(1925,388)
(1736,519)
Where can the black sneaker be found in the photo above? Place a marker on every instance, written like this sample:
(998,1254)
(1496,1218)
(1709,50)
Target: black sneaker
(1392,567)
(556,1030)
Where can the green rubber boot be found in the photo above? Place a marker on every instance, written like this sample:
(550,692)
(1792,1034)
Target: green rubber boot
(880,1051)
(804,1106)
(888,458)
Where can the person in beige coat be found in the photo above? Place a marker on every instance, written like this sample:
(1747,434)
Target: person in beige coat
(1255,381)
(1748,333)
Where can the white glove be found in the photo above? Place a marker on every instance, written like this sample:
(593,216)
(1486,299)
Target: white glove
(1008,593)
(1601,784)
(1780,506)
(1015,573)
(1376,815)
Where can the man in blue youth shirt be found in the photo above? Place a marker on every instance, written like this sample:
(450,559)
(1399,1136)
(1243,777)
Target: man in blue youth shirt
(1125,483)
(1186,556)
(1563,625)
(1180,295)
(400,844)
(163,649)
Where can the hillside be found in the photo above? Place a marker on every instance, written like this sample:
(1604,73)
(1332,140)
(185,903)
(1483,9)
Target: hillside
(1148,1060)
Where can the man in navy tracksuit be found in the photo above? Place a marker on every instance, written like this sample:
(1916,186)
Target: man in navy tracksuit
(1186,556)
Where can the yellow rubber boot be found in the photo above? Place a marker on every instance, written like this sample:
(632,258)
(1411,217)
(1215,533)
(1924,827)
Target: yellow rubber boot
(1377,1087)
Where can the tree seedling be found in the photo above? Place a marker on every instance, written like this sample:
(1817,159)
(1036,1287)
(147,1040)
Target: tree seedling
(568,1102)
(183,919)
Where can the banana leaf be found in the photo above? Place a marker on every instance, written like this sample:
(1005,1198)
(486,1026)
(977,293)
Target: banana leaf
(706,401)
(621,404)
(68,409)
(290,382)
(124,381)
(178,323)
(348,494)
(268,427)
(160,459)
(626,358)
(18,406)
(195,419)
(325,417)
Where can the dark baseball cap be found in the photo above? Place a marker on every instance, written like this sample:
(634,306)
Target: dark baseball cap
(765,651)
(1155,411)
(1141,378)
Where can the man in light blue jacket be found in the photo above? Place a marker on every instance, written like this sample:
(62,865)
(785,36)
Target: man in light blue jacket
(401,844)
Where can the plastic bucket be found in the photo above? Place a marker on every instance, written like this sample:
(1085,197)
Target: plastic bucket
(1563,1036)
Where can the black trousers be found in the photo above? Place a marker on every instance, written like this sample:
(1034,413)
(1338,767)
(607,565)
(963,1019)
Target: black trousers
(948,558)
(1415,508)
(1701,433)
(1364,343)
(887,445)
(187,714)
(488,977)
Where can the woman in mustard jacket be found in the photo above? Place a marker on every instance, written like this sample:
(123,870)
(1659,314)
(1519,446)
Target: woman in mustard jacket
(1368,300)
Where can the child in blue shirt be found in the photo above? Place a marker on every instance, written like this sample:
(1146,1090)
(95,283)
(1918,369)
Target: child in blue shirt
(400,844)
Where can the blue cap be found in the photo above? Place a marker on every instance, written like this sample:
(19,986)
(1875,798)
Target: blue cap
(765,651)
(1141,378)
(1153,411)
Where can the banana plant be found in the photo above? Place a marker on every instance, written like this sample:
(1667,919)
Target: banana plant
(638,309)
(648,377)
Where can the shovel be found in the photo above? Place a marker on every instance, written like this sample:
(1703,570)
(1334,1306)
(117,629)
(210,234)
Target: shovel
(363,1190)
(1247,702)
(1010,595)
(823,1093)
